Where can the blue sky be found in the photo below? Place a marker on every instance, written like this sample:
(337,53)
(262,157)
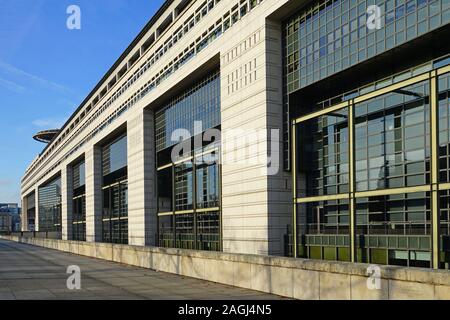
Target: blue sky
(46,70)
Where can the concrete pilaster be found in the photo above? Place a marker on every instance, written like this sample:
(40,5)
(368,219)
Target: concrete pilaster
(142,209)
(24,215)
(67,196)
(93,195)
(256,199)
(36,203)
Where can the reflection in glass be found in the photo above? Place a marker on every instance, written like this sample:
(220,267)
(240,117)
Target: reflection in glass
(50,206)
(392,140)
(386,224)
(323,154)
(115,192)
(79,202)
(207,186)
(323,230)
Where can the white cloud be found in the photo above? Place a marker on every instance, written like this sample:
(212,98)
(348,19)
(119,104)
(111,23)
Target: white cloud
(12,86)
(10,69)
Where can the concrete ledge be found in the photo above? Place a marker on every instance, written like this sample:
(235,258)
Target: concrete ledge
(294,278)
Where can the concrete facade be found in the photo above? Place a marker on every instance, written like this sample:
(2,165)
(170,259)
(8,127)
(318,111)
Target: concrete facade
(255,206)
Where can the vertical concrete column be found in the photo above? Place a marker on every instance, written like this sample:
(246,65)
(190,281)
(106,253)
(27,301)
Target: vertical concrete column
(24,214)
(66,199)
(36,204)
(256,195)
(279,182)
(142,225)
(93,194)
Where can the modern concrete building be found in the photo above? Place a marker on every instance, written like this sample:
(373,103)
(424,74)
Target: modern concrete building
(334,136)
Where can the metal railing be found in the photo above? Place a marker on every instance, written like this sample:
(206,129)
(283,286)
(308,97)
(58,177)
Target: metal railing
(206,242)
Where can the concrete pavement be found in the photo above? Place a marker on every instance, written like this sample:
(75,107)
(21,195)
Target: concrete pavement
(34,273)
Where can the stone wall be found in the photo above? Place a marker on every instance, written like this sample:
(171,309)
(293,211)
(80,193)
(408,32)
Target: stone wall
(294,278)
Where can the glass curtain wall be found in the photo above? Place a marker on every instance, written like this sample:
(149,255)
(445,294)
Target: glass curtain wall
(31,211)
(444,168)
(50,206)
(330,36)
(188,187)
(324,170)
(115,192)
(189,203)
(79,202)
(366,187)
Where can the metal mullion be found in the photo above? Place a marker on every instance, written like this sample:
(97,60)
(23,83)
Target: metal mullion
(184,212)
(120,212)
(162,214)
(313,115)
(164,167)
(393,191)
(183,160)
(340,196)
(294,187)
(174,226)
(435,216)
(443,70)
(203,153)
(194,200)
(444,186)
(110,215)
(392,87)
(352,175)
(208,210)
(219,186)
(369,96)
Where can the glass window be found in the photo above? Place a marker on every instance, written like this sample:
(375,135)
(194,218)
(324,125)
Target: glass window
(445,228)
(200,103)
(115,213)
(188,192)
(208,231)
(183,187)
(184,224)
(444,127)
(31,211)
(115,156)
(323,154)
(393,139)
(79,202)
(323,224)
(115,192)
(50,206)
(388,223)
(207,186)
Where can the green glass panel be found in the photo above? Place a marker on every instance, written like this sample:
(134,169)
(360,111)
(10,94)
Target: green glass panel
(329,253)
(378,256)
(315,253)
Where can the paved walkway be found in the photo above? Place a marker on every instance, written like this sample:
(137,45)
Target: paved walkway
(34,273)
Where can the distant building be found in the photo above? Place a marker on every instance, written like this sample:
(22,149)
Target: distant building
(5,222)
(10,220)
